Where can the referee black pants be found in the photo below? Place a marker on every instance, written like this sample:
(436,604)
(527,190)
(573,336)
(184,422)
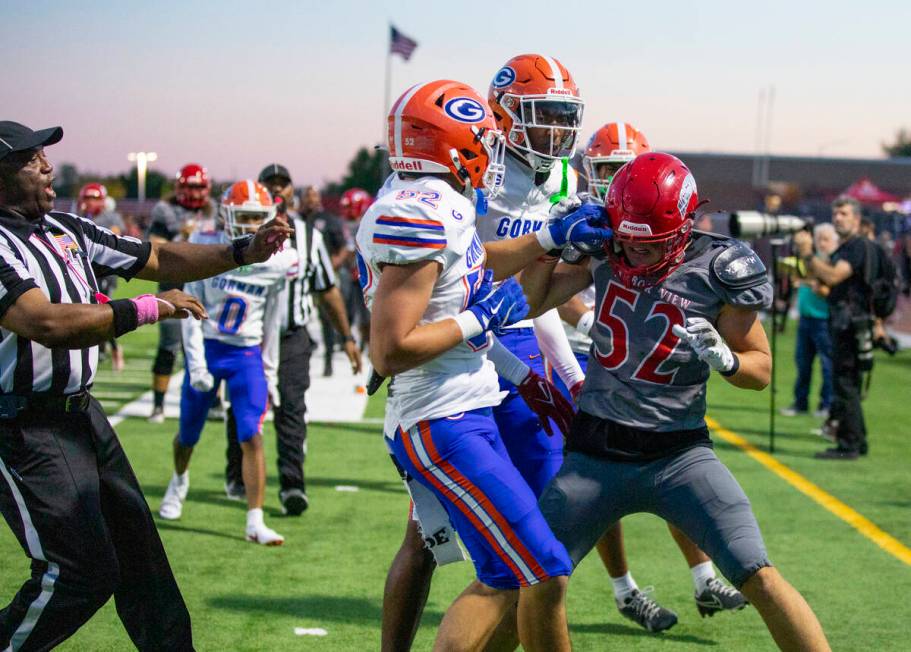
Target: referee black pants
(290,425)
(70,496)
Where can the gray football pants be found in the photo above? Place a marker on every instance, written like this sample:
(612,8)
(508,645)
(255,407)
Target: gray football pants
(692,490)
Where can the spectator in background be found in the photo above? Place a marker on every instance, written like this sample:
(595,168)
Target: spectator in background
(850,322)
(904,262)
(813,338)
(353,204)
(95,204)
(336,242)
(173,220)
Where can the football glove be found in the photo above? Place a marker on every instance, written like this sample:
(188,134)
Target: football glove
(581,226)
(496,308)
(201,380)
(547,402)
(705,341)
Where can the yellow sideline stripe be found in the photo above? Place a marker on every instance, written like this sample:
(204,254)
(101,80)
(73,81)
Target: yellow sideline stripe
(850,516)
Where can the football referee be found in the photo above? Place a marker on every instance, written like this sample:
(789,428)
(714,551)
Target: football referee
(66,488)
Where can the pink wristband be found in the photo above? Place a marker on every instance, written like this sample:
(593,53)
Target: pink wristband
(146,308)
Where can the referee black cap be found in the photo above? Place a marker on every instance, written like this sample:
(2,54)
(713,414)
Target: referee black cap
(15,137)
(274,170)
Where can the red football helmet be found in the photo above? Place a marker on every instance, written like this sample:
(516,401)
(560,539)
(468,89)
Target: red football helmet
(354,203)
(537,105)
(91,199)
(446,126)
(652,200)
(610,147)
(245,206)
(193,186)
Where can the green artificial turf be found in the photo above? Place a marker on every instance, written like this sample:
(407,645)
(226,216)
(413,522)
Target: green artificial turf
(330,573)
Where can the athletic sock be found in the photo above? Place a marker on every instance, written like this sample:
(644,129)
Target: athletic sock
(702,573)
(183,479)
(159,399)
(623,586)
(255,517)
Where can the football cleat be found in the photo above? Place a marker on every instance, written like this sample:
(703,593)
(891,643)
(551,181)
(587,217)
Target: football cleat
(172,503)
(294,502)
(643,610)
(235,491)
(264,536)
(718,596)
(157,415)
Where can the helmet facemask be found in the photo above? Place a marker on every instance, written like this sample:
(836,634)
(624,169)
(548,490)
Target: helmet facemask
(600,171)
(639,276)
(545,128)
(493,145)
(245,219)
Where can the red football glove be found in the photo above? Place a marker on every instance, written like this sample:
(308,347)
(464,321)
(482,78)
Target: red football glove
(547,402)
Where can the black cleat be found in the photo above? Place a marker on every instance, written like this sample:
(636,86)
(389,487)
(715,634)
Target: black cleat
(718,596)
(641,609)
(294,502)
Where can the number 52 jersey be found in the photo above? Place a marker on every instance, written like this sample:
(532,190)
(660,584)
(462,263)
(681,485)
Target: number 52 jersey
(414,221)
(639,373)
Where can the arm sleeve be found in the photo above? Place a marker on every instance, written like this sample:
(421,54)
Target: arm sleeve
(556,349)
(191,331)
(271,334)
(114,254)
(508,365)
(15,279)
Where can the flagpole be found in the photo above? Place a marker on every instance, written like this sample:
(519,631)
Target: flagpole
(388,88)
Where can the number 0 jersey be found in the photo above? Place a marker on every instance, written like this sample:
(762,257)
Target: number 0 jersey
(241,301)
(417,220)
(639,373)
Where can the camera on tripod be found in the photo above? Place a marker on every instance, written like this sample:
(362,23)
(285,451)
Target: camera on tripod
(747,225)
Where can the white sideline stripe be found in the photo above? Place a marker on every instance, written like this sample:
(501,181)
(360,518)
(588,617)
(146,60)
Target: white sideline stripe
(472,504)
(329,400)
(36,552)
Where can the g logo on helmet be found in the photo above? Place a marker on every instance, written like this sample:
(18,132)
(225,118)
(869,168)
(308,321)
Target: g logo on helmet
(504,77)
(465,109)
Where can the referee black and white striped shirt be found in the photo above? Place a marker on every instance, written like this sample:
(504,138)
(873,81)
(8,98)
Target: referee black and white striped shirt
(64,256)
(314,274)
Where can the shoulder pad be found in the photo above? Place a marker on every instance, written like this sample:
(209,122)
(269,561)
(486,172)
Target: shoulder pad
(738,267)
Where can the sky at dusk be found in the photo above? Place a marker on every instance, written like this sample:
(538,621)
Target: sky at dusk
(236,85)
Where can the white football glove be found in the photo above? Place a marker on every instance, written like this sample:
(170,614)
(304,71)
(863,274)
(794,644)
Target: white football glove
(274,398)
(706,342)
(201,380)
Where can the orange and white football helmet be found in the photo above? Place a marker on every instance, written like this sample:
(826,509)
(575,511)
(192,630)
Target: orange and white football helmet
(610,147)
(246,206)
(537,105)
(446,126)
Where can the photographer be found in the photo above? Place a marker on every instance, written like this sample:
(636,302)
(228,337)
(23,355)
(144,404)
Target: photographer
(850,320)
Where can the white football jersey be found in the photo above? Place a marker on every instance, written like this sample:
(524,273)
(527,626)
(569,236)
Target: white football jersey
(425,219)
(522,207)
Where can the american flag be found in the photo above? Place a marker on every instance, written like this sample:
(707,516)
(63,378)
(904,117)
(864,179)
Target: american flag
(401,44)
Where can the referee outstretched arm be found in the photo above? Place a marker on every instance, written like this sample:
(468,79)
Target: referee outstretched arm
(66,488)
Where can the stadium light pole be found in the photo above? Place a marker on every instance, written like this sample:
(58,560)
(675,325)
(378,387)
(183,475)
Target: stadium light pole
(142,160)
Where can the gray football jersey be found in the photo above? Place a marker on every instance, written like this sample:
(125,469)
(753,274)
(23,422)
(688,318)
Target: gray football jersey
(639,373)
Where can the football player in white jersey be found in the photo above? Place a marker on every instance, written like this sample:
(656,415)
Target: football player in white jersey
(427,281)
(243,313)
